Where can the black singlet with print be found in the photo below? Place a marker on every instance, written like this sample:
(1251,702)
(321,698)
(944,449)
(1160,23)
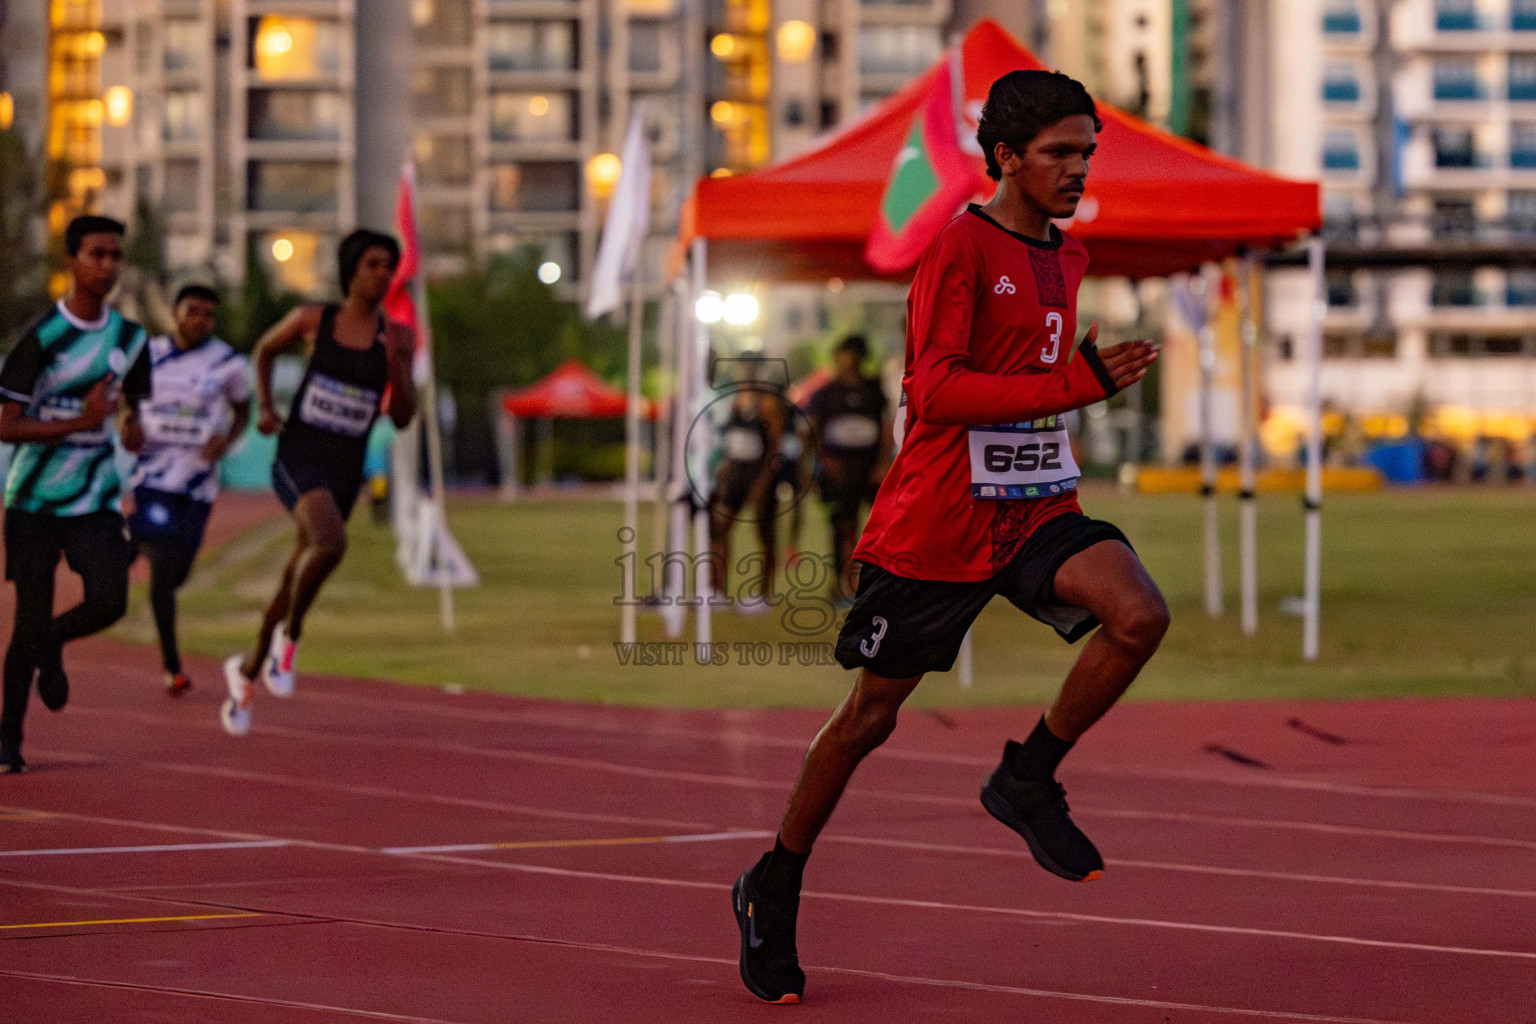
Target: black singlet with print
(336,404)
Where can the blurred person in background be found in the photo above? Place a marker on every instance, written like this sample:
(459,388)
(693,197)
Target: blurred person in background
(850,418)
(59,388)
(751,464)
(201,406)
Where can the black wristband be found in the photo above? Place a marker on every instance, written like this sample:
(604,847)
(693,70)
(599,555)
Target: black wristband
(1090,352)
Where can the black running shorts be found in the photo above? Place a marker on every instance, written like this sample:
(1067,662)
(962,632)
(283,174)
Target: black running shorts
(292,482)
(900,627)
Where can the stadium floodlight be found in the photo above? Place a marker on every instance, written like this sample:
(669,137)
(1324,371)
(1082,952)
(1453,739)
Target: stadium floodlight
(549,272)
(710,308)
(740,309)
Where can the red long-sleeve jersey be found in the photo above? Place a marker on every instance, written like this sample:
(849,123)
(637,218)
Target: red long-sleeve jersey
(991,319)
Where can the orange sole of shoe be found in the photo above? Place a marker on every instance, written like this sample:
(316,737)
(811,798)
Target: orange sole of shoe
(1093,876)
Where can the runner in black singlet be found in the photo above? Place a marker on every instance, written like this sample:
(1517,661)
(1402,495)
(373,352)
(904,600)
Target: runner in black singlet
(356,357)
(748,475)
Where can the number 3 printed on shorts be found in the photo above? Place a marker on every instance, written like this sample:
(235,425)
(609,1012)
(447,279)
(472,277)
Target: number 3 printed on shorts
(869,648)
(1054,323)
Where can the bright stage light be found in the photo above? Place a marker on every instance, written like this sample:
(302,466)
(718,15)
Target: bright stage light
(710,308)
(740,309)
(549,272)
(282,250)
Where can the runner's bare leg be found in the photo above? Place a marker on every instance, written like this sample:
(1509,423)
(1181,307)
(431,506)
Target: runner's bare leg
(1108,580)
(863,722)
(277,610)
(321,521)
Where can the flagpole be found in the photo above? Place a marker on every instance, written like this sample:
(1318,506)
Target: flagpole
(435,508)
(630,536)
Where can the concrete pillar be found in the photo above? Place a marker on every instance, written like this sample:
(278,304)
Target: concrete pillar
(386,41)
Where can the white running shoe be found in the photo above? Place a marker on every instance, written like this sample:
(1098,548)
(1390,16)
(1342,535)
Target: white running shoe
(277,668)
(235,715)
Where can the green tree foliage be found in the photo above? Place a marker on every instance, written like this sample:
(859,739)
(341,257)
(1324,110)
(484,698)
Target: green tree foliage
(498,326)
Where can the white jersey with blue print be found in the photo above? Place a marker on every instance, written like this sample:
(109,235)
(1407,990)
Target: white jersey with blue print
(194,392)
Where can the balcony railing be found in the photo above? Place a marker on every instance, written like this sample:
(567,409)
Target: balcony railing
(1460,89)
(1340,23)
(1341,91)
(1457,18)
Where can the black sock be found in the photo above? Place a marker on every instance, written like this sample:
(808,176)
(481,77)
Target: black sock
(780,877)
(1037,757)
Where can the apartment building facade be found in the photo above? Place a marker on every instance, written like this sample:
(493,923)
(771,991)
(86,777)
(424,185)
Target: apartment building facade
(1419,118)
(239,123)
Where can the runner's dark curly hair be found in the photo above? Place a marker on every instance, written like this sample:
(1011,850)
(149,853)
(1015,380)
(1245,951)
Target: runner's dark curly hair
(1022,104)
(355,246)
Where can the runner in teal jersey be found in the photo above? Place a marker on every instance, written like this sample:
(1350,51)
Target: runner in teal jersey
(58,389)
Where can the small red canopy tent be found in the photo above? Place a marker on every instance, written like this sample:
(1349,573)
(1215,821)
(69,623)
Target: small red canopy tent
(1156,204)
(571,391)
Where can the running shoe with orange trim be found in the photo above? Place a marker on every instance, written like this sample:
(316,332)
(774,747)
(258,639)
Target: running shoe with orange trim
(770,966)
(177,683)
(1038,811)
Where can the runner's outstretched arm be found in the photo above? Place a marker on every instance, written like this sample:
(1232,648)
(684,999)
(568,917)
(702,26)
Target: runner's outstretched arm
(16,427)
(298,326)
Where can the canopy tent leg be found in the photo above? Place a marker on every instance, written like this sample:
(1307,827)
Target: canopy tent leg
(1312,580)
(1248,447)
(674,615)
(1212,525)
(703,627)
(661,425)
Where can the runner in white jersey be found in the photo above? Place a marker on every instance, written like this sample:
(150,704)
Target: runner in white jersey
(201,405)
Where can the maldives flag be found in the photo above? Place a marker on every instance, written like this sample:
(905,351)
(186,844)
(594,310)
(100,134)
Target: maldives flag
(400,300)
(930,180)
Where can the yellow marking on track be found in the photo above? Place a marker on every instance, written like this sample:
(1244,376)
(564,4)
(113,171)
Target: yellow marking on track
(127,920)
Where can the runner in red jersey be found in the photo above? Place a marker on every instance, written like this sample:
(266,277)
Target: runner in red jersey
(981,501)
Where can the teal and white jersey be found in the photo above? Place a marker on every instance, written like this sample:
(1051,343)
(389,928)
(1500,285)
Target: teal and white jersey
(52,368)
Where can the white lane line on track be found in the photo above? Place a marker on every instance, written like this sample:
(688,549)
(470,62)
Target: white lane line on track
(743,782)
(525,810)
(915,904)
(692,837)
(733,738)
(229,997)
(254,844)
(1203,869)
(1040,915)
(902,979)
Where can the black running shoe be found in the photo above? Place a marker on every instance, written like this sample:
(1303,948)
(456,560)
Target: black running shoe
(52,683)
(1038,811)
(10,761)
(770,967)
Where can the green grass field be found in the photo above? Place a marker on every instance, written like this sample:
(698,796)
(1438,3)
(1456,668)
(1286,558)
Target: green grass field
(1424,593)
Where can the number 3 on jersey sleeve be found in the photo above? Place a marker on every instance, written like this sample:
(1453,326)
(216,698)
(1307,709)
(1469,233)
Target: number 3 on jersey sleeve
(1053,322)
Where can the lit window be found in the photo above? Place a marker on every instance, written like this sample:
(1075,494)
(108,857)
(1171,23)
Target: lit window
(289,48)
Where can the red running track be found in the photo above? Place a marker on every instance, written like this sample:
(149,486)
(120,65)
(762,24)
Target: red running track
(390,853)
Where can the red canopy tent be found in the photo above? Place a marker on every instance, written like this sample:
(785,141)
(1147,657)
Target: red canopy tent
(571,391)
(1156,204)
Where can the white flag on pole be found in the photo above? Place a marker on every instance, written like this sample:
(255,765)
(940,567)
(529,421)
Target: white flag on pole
(629,216)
